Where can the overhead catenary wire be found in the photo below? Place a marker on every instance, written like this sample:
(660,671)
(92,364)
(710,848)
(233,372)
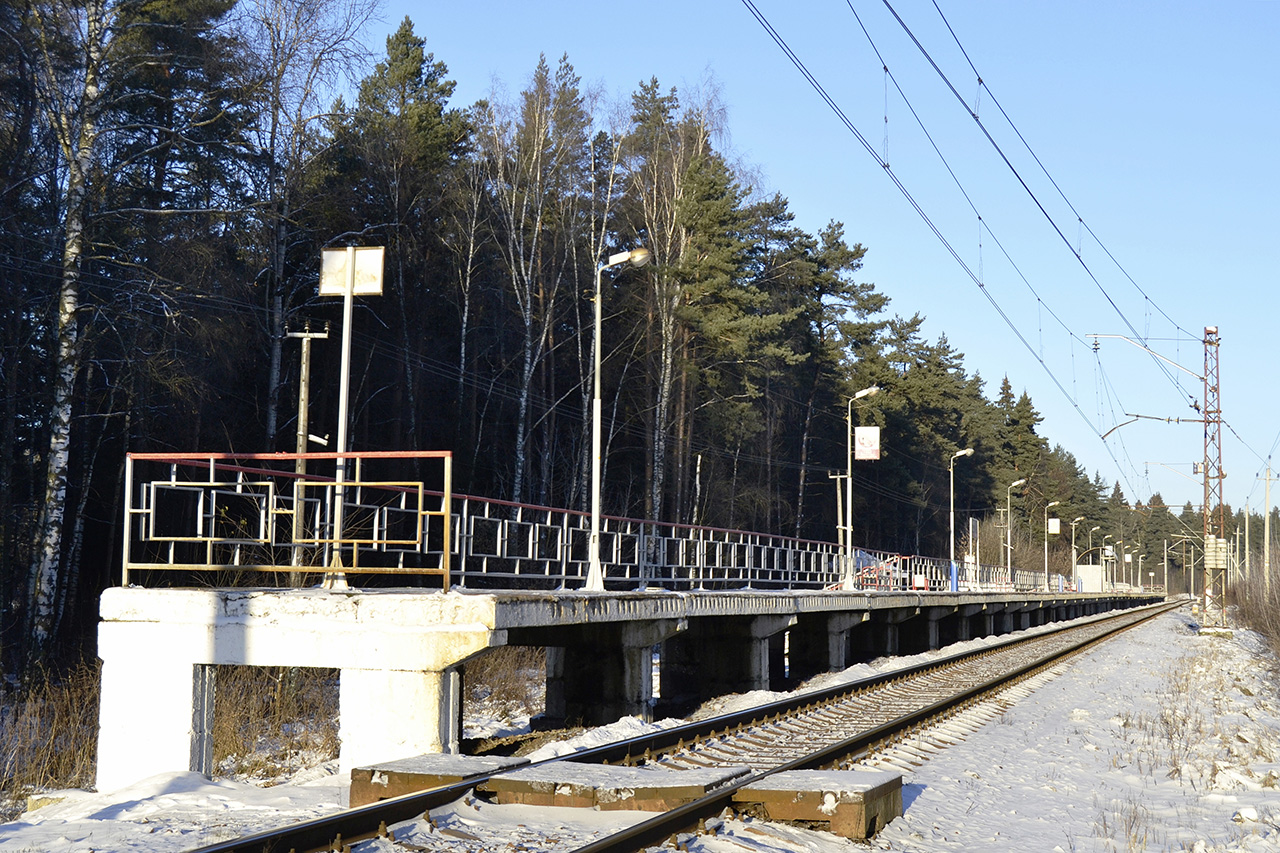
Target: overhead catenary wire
(1021,181)
(915,205)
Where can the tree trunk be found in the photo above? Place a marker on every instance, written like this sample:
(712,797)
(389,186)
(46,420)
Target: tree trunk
(77,135)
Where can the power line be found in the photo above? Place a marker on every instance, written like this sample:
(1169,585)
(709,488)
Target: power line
(888,171)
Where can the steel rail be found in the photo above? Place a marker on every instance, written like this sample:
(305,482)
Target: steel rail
(332,832)
(685,818)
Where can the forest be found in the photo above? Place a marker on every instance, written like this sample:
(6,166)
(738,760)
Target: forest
(171,170)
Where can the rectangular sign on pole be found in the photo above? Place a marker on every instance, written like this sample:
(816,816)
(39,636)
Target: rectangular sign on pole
(866,442)
(334,274)
(1055,526)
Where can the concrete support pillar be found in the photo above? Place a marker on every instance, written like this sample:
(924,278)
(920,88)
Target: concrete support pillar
(553,697)
(146,717)
(820,642)
(965,614)
(385,715)
(608,669)
(935,636)
(881,634)
(1004,621)
(722,654)
(839,626)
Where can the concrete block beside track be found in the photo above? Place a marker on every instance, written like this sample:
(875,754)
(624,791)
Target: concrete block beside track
(607,787)
(421,773)
(852,803)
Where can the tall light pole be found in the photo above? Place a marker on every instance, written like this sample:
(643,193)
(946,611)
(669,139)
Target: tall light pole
(1103,557)
(849,478)
(1008,517)
(1074,580)
(968,451)
(1046,542)
(595,572)
(1093,530)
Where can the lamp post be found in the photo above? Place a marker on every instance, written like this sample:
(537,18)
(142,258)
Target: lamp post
(968,451)
(848,481)
(1141,557)
(1103,556)
(1092,530)
(1046,542)
(595,573)
(1008,517)
(1074,580)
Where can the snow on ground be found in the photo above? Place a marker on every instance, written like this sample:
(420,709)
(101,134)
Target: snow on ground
(1164,740)
(1160,740)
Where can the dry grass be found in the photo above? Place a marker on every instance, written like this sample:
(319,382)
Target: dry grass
(271,721)
(268,722)
(1258,610)
(48,735)
(504,682)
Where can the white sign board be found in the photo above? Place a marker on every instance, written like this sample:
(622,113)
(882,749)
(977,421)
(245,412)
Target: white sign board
(866,442)
(1088,578)
(334,274)
(1055,526)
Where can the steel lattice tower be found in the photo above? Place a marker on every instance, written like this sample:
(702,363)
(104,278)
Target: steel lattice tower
(1215,545)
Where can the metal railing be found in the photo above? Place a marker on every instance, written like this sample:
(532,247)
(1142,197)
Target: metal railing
(249,512)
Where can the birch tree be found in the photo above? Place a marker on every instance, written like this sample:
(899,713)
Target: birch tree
(302,49)
(661,148)
(127,92)
(71,102)
(535,159)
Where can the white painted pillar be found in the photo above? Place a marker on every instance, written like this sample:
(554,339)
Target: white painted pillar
(145,719)
(387,714)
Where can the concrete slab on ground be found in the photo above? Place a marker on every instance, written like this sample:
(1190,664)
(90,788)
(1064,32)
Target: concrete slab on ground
(852,803)
(421,773)
(608,787)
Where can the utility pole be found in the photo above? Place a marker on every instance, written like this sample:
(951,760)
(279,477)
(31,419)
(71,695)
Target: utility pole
(1266,539)
(1166,568)
(300,465)
(1215,568)
(1246,542)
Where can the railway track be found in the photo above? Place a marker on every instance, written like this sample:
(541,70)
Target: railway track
(835,727)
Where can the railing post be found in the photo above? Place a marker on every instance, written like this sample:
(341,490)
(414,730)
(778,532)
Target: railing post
(642,556)
(127,544)
(446,511)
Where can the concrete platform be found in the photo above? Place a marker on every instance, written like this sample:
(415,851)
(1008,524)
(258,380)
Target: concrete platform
(852,803)
(607,787)
(402,653)
(421,773)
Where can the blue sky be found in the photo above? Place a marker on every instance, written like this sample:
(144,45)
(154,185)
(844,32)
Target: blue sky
(1158,122)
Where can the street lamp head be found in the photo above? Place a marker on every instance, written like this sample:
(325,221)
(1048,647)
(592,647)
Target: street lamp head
(1017,483)
(641,257)
(968,451)
(1095,529)
(636,257)
(867,392)
(1078,520)
(1051,504)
